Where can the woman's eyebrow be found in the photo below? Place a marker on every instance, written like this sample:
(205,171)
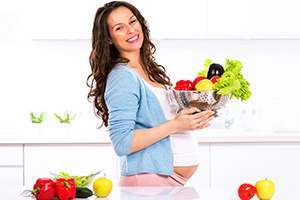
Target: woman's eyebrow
(121,23)
(131,17)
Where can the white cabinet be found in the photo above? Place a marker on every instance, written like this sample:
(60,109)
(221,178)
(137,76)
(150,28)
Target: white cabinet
(75,159)
(253,18)
(11,181)
(11,168)
(11,155)
(234,164)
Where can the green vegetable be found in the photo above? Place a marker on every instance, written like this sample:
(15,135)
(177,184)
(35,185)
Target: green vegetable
(232,81)
(66,118)
(37,119)
(207,63)
(83,192)
(80,181)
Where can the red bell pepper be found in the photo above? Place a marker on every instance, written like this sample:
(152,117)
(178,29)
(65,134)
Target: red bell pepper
(65,188)
(44,189)
(184,85)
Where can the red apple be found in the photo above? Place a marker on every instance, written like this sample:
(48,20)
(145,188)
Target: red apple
(246,191)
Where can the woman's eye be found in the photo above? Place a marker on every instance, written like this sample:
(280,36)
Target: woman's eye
(119,28)
(133,21)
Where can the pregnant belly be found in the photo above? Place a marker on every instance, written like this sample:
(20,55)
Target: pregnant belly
(186,171)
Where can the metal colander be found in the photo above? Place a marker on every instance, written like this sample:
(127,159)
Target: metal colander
(205,100)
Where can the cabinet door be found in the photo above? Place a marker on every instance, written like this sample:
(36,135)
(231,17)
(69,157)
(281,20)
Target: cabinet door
(11,155)
(253,18)
(234,164)
(201,177)
(11,181)
(75,159)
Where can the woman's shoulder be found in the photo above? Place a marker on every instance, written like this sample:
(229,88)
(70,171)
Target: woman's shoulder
(121,69)
(121,74)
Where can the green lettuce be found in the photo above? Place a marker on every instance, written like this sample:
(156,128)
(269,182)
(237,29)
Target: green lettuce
(232,81)
(207,63)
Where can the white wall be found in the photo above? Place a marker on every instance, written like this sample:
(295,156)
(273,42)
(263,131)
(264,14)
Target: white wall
(49,74)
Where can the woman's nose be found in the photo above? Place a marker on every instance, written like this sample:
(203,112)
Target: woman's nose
(130,29)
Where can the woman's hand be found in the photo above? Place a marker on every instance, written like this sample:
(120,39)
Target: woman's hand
(185,120)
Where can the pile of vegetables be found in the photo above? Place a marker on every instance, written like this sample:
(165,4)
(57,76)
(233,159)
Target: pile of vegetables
(224,80)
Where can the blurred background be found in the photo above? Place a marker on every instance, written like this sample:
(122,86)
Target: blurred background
(44,51)
(45,45)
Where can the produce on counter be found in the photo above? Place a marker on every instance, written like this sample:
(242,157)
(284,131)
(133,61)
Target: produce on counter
(246,191)
(102,187)
(44,189)
(65,188)
(80,181)
(83,192)
(265,189)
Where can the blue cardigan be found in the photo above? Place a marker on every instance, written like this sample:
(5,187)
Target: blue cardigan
(132,105)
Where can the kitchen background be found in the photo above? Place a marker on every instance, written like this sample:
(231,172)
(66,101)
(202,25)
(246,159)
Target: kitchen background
(45,45)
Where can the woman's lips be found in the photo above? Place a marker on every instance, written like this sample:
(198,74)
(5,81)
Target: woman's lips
(133,39)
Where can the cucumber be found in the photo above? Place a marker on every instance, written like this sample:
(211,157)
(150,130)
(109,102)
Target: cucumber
(83,192)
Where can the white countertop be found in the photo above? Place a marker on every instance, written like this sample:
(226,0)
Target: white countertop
(169,193)
(100,136)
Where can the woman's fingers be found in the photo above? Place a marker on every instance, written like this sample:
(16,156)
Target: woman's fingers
(188,111)
(203,122)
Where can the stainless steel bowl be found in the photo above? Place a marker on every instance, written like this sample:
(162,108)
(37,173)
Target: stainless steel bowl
(206,100)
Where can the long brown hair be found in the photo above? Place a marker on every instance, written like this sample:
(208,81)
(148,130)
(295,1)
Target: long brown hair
(104,56)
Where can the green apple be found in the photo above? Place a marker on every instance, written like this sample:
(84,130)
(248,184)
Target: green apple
(102,187)
(265,189)
(204,85)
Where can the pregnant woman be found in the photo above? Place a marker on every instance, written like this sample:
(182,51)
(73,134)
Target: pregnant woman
(128,91)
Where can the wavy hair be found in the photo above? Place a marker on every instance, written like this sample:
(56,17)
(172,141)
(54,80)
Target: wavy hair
(104,56)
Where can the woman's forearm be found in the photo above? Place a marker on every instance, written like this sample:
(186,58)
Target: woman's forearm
(146,137)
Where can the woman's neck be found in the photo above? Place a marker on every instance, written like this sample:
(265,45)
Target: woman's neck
(134,59)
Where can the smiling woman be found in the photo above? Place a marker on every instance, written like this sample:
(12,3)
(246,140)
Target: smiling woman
(128,90)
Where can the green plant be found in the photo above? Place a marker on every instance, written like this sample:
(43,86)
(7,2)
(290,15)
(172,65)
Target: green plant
(66,118)
(37,119)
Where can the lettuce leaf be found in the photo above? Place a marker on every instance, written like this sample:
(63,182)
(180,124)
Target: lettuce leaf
(232,81)
(207,63)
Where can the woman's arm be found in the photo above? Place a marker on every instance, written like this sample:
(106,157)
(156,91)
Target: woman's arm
(183,121)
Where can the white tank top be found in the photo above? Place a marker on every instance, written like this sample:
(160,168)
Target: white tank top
(184,146)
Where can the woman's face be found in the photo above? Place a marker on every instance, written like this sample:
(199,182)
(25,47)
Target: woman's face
(125,30)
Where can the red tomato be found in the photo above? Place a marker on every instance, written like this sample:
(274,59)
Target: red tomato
(214,79)
(184,85)
(199,78)
(246,191)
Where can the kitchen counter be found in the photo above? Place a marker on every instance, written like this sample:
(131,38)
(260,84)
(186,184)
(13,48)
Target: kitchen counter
(172,193)
(93,136)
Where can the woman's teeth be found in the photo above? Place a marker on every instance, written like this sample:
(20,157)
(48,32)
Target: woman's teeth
(133,39)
